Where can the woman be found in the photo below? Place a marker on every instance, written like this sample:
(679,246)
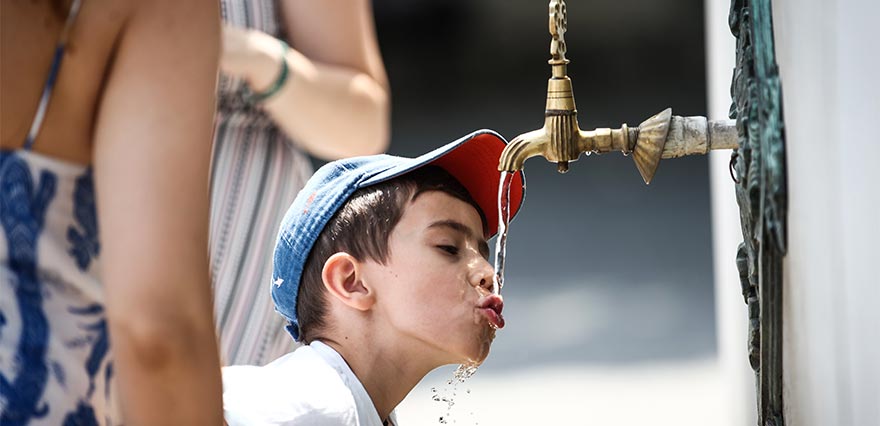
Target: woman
(323,92)
(104,284)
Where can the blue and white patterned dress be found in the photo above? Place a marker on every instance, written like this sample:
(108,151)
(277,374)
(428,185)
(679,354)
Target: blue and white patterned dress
(55,366)
(55,363)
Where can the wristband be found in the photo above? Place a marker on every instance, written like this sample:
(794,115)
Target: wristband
(256,97)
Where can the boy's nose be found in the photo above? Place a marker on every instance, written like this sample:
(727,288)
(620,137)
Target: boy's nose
(482,274)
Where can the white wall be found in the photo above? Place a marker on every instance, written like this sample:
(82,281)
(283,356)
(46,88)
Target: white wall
(829,54)
(731,316)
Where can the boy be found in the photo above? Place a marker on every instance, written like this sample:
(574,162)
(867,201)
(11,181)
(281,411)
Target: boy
(381,272)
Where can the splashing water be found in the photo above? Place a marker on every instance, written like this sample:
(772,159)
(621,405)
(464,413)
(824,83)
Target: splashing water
(462,373)
(447,395)
(503,222)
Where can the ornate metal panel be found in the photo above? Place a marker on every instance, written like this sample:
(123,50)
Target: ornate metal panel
(759,166)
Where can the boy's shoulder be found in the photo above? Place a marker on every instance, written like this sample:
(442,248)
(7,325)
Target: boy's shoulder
(298,388)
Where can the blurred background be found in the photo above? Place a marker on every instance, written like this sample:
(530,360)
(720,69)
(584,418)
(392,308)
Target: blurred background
(609,296)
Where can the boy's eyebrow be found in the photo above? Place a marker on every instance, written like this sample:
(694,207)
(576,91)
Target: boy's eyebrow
(462,228)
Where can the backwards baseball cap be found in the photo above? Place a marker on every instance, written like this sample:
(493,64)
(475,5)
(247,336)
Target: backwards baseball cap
(472,160)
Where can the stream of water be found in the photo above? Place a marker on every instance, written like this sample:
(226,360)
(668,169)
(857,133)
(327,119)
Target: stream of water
(503,222)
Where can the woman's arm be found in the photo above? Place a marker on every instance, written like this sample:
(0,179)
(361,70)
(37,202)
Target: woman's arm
(151,157)
(335,102)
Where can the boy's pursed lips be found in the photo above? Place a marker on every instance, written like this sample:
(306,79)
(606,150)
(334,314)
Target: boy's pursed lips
(491,306)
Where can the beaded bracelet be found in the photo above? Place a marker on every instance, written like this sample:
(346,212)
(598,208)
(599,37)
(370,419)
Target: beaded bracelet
(256,97)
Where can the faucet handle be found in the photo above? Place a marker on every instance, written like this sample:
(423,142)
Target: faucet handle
(558,27)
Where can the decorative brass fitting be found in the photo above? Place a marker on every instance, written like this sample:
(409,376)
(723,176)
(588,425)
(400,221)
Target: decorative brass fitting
(562,141)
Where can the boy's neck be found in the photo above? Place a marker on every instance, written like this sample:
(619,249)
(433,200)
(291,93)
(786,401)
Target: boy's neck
(387,377)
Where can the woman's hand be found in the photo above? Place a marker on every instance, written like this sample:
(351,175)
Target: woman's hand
(335,100)
(251,55)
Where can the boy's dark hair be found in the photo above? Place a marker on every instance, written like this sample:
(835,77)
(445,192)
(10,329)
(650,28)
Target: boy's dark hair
(361,228)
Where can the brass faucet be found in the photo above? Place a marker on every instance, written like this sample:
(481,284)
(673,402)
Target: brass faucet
(561,140)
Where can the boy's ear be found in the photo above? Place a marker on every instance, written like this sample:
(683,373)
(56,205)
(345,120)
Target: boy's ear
(342,278)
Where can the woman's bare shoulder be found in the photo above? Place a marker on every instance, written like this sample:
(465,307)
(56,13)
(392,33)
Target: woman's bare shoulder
(31,32)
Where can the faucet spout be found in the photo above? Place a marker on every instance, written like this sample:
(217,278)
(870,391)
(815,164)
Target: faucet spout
(559,141)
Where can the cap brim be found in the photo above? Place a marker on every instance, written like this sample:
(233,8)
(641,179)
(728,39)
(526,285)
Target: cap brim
(473,161)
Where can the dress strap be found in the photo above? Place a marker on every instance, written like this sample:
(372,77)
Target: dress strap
(53,75)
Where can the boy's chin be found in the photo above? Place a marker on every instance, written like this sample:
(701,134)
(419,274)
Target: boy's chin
(479,352)
(473,351)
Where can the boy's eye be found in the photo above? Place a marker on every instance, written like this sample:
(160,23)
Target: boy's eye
(453,250)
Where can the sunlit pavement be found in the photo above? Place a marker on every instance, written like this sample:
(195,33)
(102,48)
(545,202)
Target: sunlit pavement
(674,393)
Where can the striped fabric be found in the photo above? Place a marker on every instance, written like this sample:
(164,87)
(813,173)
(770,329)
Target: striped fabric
(257,172)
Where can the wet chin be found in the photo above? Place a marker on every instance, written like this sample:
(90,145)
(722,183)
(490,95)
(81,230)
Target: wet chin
(480,347)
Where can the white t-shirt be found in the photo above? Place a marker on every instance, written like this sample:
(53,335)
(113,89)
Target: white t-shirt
(310,386)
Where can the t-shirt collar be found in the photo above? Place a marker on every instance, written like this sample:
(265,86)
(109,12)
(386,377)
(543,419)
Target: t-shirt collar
(366,409)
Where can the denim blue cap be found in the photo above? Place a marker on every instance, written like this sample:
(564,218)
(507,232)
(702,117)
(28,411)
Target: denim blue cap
(472,160)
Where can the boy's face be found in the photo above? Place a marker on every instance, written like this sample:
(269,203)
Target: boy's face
(434,294)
